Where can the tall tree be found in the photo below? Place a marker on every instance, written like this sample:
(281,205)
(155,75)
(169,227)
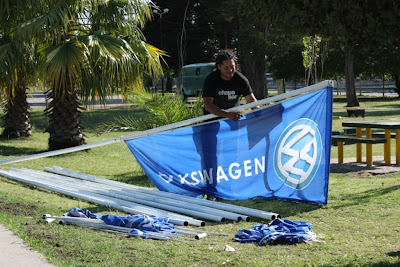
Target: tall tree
(184,32)
(17,62)
(353,23)
(91,49)
(237,31)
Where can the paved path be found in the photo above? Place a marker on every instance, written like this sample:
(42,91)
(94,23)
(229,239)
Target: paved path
(14,252)
(38,99)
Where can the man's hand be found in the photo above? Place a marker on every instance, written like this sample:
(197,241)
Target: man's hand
(234,116)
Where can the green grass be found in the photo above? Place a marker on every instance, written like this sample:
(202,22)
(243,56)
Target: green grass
(360,223)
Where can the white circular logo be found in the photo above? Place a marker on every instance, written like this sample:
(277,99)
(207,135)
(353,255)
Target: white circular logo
(298,153)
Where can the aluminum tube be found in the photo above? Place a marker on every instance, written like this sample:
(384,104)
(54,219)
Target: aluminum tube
(224,206)
(95,222)
(186,211)
(125,230)
(180,228)
(119,229)
(168,204)
(115,197)
(228,215)
(61,180)
(173,126)
(101,201)
(112,202)
(53,181)
(174,218)
(199,236)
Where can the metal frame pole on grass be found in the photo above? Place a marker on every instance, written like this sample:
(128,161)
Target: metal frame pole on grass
(118,199)
(98,224)
(126,206)
(178,219)
(224,206)
(163,201)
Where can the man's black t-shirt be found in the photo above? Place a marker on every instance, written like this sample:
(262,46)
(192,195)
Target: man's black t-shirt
(226,94)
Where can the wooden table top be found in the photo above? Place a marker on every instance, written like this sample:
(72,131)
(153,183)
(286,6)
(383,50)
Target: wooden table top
(373,124)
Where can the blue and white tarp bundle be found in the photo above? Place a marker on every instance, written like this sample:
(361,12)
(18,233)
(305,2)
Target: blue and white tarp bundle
(140,224)
(277,232)
(278,151)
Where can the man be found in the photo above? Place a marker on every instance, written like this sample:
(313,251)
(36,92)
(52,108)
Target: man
(222,90)
(224,87)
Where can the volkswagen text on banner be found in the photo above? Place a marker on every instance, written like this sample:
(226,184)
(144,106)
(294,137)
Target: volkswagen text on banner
(277,151)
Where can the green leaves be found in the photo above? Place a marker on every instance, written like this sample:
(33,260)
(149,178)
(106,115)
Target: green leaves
(64,63)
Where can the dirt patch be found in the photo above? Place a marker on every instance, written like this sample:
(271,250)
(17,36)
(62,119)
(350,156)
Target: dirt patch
(361,169)
(18,209)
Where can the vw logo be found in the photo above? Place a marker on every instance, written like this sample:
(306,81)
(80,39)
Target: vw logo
(298,153)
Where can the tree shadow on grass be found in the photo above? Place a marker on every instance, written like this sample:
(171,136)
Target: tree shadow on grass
(394,254)
(386,264)
(365,197)
(137,178)
(18,151)
(283,207)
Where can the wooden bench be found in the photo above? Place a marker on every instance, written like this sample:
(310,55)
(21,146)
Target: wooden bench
(356,111)
(334,143)
(349,131)
(378,134)
(382,135)
(341,139)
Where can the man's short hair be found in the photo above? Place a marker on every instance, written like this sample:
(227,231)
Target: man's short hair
(225,55)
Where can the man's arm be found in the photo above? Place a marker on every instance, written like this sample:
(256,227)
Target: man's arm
(250,98)
(210,107)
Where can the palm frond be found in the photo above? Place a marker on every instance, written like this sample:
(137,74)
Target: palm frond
(50,23)
(63,64)
(16,65)
(159,110)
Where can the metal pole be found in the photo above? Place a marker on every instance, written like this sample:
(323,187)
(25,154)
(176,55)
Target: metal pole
(224,206)
(105,201)
(196,210)
(53,181)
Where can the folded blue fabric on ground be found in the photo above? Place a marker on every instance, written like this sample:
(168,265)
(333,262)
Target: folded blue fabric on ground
(140,222)
(77,212)
(277,232)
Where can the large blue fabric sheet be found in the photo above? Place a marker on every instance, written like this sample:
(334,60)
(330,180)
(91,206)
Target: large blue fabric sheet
(278,151)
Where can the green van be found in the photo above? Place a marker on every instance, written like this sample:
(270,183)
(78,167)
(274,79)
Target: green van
(191,78)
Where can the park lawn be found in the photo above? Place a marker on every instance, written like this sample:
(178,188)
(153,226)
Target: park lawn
(358,227)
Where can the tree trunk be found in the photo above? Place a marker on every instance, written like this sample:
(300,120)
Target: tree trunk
(65,125)
(397,83)
(254,70)
(17,118)
(351,95)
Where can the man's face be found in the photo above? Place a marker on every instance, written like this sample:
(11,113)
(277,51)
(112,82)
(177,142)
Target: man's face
(227,69)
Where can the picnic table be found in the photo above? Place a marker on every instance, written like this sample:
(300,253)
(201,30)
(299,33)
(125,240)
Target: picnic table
(387,127)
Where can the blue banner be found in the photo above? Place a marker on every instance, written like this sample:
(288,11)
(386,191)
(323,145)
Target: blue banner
(278,151)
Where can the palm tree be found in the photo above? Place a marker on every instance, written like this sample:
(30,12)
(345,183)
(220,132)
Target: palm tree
(91,49)
(16,71)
